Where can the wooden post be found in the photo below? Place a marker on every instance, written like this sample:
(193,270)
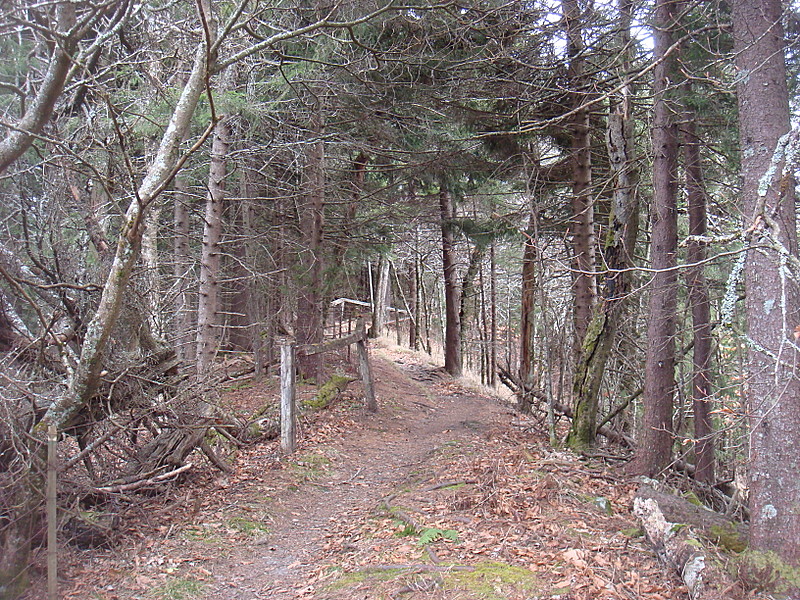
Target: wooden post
(288,409)
(52,513)
(366,376)
(366,372)
(397,324)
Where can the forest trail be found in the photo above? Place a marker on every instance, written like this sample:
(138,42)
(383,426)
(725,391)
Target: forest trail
(444,494)
(388,450)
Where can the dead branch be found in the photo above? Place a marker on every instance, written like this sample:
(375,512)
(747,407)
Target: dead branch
(136,485)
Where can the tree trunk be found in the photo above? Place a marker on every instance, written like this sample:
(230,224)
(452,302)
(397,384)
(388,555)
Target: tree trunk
(581,226)
(309,304)
(208,300)
(413,293)
(381,299)
(617,255)
(701,308)
(185,338)
(19,138)
(772,387)
(468,303)
(492,317)
(530,256)
(452,338)
(86,376)
(654,445)
(153,294)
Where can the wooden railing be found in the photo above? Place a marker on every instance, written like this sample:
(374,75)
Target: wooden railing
(289,352)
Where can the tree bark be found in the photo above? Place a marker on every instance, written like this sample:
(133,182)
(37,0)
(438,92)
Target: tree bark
(381,299)
(772,302)
(654,444)
(452,338)
(492,317)
(183,319)
(530,256)
(208,298)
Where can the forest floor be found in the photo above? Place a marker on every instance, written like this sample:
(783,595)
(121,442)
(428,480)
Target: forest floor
(445,493)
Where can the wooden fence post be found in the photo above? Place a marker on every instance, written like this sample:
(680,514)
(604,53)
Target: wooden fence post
(364,368)
(288,408)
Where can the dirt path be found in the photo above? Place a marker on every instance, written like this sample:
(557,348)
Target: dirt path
(389,450)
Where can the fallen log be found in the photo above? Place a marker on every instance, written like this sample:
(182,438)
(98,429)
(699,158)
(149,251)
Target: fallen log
(678,547)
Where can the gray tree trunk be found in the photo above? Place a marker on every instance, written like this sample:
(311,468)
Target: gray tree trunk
(620,242)
(208,299)
(381,299)
(768,205)
(184,317)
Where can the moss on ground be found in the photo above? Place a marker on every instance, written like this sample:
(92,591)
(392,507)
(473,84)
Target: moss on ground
(494,581)
(179,589)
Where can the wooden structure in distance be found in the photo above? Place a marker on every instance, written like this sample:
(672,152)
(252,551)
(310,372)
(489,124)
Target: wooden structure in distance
(289,353)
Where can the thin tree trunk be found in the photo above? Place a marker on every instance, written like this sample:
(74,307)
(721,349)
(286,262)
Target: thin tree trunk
(582,223)
(493,317)
(469,300)
(413,292)
(701,308)
(185,339)
(654,445)
(381,299)
(309,305)
(150,258)
(208,303)
(772,387)
(527,317)
(452,338)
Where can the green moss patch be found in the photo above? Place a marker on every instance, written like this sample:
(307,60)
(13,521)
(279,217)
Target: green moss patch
(247,526)
(494,581)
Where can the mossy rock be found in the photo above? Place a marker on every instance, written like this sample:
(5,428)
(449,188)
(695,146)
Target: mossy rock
(329,391)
